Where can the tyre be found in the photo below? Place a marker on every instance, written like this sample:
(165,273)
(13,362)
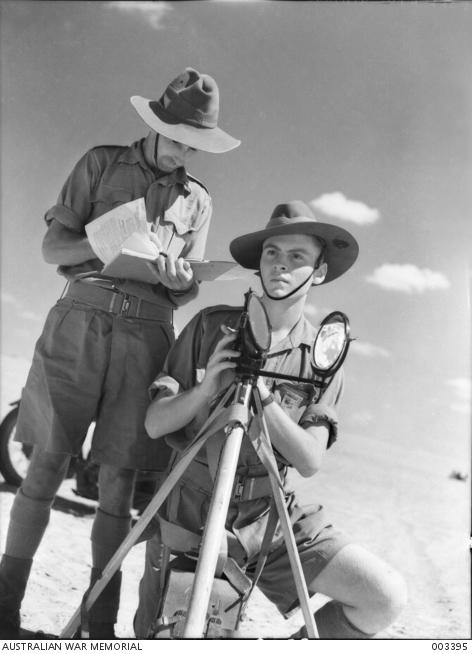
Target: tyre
(14,457)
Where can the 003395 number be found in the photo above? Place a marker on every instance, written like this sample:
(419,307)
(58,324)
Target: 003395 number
(449,646)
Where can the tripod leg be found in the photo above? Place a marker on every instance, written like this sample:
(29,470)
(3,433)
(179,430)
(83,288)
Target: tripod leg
(267,454)
(159,498)
(212,535)
(215,525)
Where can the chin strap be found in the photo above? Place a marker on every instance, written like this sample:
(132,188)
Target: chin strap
(272,297)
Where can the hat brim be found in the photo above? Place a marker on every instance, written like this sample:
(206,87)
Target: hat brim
(341,251)
(213,139)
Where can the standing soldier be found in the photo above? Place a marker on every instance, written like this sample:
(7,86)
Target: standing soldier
(106,339)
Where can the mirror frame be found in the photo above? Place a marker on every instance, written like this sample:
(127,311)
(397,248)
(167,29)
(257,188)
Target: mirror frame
(328,372)
(251,297)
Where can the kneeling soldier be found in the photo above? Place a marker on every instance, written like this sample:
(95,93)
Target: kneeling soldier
(294,252)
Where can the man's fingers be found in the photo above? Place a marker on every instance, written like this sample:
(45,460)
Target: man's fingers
(224,342)
(226,329)
(161,266)
(174,273)
(222,355)
(183,270)
(227,354)
(170,267)
(224,365)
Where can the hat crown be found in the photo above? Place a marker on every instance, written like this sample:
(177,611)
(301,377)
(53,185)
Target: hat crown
(192,98)
(290,213)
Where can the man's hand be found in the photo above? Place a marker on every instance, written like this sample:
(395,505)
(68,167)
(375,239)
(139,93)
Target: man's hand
(175,274)
(262,388)
(170,413)
(220,362)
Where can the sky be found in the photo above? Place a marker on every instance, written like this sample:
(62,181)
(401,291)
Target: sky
(362,108)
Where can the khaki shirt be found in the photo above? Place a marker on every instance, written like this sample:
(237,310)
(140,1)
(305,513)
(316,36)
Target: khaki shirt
(178,206)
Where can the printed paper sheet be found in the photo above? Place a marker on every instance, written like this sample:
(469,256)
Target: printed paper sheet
(108,232)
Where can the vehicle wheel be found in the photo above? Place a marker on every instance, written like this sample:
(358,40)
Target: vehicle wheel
(14,457)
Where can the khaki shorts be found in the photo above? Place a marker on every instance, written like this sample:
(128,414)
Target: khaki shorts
(276,580)
(92,365)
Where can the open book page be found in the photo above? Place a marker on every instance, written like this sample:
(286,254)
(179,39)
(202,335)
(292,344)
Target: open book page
(107,233)
(140,245)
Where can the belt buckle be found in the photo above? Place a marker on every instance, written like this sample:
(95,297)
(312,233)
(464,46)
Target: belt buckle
(238,489)
(125,305)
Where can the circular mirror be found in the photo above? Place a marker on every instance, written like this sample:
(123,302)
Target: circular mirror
(332,340)
(259,324)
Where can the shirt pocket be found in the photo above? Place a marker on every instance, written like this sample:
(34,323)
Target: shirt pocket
(175,228)
(293,398)
(108,197)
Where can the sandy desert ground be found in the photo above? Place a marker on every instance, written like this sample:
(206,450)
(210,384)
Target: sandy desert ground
(407,509)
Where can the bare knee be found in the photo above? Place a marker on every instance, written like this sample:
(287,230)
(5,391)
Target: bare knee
(383,599)
(392,596)
(372,592)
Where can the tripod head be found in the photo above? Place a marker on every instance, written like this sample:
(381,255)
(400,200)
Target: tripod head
(254,338)
(254,335)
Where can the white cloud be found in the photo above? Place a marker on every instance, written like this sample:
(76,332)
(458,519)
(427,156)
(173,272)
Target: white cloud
(462,387)
(7,298)
(462,390)
(338,205)
(461,407)
(30,315)
(407,278)
(152,12)
(369,350)
(25,314)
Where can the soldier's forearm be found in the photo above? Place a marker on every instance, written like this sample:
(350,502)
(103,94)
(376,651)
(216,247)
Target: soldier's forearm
(303,448)
(168,414)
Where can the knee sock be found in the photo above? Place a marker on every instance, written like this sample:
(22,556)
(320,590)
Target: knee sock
(28,521)
(108,532)
(332,623)
(104,611)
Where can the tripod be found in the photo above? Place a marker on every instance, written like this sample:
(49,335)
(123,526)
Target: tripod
(229,421)
(227,424)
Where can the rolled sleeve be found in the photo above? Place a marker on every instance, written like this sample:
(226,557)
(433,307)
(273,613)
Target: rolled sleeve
(179,371)
(74,203)
(324,412)
(65,216)
(164,386)
(320,414)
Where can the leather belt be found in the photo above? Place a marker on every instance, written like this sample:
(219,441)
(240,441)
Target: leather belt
(116,302)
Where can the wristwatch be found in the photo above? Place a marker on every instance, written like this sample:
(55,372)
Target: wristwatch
(269,399)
